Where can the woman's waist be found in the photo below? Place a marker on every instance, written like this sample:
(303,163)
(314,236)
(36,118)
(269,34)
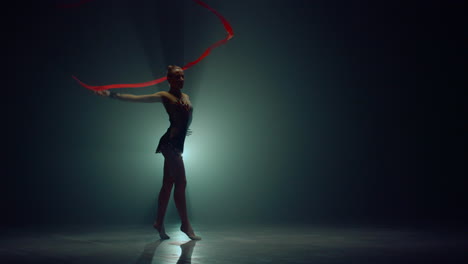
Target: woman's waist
(177,131)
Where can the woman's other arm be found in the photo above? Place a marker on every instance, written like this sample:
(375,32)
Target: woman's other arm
(147,98)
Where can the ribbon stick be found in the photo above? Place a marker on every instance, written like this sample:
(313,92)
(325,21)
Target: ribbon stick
(230,35)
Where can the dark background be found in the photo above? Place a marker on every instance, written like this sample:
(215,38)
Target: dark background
(315,112)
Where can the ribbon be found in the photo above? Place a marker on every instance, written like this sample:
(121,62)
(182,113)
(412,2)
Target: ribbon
(230,35)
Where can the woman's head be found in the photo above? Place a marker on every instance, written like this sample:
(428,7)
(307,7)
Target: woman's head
(175,76)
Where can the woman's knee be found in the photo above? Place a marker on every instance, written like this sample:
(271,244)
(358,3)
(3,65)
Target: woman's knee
(180,183)
(168,183)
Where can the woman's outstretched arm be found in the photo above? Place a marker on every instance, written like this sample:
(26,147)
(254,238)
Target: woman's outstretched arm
(147,98)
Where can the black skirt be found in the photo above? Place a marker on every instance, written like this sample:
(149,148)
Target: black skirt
(175,141)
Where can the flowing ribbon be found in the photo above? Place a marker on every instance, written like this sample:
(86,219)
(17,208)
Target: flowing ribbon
(230,35)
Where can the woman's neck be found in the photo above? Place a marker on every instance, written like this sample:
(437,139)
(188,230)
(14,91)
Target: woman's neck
(175,92)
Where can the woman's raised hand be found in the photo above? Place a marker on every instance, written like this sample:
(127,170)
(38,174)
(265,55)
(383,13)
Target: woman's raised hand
(104,93)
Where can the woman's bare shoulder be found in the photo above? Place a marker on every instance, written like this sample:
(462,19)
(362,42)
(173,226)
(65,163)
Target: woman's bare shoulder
(165,95)
(162,93)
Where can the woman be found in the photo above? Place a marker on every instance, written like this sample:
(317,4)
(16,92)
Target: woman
(171,145)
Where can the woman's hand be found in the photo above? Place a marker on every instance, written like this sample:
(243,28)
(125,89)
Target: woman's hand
(104,93)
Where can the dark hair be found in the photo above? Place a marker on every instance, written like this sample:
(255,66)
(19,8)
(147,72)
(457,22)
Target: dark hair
(171,68)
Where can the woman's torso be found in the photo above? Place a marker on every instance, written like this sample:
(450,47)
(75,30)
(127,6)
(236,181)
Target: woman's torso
(180,113)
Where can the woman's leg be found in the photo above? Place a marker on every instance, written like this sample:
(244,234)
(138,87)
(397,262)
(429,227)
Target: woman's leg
(163,199)
(177,168)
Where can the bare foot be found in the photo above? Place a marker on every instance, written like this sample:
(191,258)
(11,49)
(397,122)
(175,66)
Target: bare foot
(189,232)
(161,230)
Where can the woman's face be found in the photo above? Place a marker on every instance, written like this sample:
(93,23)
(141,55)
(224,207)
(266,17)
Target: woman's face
(176,78)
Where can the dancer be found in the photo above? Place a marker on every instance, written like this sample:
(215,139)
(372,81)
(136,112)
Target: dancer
(171,145)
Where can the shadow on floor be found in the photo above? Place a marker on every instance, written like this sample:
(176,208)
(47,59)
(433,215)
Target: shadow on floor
(149,251)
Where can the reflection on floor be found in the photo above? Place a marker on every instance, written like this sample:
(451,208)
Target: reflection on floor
(272,244)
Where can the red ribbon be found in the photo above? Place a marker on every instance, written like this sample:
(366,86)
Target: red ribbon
(230,35)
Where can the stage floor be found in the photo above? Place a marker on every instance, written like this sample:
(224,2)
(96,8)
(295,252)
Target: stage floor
(234,245)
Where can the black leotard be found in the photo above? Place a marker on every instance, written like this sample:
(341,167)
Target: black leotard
(180,116)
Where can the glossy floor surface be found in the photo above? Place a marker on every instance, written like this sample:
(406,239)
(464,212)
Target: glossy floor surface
(234,245)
